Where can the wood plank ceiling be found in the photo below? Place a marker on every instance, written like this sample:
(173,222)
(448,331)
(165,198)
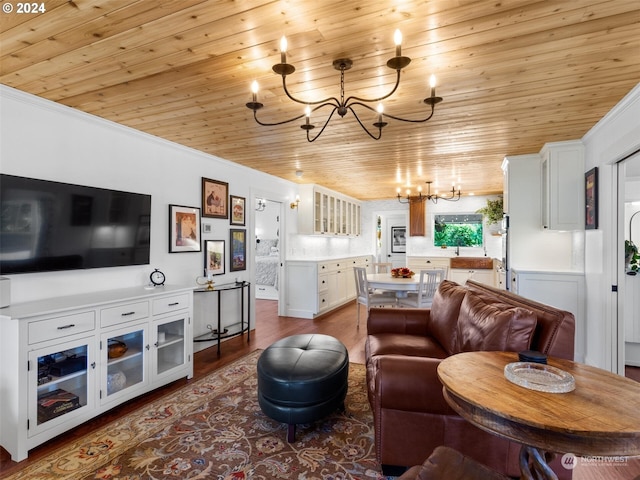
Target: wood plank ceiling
(514,74)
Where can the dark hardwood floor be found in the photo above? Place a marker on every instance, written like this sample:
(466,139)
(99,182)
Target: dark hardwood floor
(269,328)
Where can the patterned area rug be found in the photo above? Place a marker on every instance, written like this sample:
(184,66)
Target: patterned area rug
(214,429)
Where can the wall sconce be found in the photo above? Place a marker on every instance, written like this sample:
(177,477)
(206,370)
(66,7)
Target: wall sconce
(293,205)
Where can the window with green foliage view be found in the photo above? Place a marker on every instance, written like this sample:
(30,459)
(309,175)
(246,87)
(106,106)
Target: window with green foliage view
(464,230)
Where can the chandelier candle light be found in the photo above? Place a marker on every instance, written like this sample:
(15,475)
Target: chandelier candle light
(341,105)
(453,197)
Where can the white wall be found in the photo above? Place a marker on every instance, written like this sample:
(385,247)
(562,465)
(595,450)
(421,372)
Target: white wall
(613,138)
(42,139)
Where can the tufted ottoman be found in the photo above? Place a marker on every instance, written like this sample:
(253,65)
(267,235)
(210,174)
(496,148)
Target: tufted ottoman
(302,378)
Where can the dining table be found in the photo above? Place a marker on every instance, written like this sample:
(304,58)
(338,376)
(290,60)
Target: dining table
(400,285)
(595,414)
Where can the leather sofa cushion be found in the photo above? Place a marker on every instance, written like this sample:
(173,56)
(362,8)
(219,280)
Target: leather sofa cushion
(446,463)
(402,344)
(555,330)
(484,325)
(444,314)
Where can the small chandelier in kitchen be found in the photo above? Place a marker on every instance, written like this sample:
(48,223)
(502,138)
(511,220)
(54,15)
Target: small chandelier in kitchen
(341,105)
(453,195)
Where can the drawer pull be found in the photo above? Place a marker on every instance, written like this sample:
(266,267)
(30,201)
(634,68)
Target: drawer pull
(174,304)
(126,314)
(64,327)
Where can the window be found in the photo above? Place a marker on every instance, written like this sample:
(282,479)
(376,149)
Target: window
(464,230)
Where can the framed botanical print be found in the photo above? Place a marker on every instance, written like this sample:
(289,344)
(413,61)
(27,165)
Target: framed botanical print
(238,249)
(237,210)
(184,229)
(215,196)
(213,257)
(591,199)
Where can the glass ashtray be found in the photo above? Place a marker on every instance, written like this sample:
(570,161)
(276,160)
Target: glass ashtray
(540,377)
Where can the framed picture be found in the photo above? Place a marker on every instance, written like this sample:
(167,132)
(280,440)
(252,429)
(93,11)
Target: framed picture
(237,210)
(398,239)
(214,198)
(213,257)
(184,229)
(238,251)
(591,199)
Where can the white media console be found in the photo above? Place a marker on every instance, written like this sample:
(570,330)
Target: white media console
(68,359)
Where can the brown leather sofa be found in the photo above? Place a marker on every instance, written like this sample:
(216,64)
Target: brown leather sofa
(403,350)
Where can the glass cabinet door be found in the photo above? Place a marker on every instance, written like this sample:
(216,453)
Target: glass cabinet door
(61,383)
(125,353)
(170,345)
(317,205)
(332,215)
(325,213)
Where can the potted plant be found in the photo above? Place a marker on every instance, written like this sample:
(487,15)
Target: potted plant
(492,213)
(631,257)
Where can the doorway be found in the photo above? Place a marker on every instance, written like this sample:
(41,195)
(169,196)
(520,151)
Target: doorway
(392,234)
(267,251)
(628,280)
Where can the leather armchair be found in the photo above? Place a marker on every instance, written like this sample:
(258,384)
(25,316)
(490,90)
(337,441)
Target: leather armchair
(405,346)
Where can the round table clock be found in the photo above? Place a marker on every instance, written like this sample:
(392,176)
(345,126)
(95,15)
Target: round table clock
(157,278)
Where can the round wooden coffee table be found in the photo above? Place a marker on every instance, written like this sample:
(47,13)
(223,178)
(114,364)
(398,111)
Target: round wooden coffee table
(599,418)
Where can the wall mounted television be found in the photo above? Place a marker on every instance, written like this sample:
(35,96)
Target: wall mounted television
(50,226)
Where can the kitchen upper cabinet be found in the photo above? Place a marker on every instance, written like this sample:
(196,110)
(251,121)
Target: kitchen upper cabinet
(563,204)
(324,212)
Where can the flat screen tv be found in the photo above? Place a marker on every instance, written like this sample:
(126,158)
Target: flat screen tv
(48,226)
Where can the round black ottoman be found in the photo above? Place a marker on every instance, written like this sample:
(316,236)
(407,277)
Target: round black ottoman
(302,378)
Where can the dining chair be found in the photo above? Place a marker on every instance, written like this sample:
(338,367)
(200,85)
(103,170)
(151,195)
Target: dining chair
(366,297)
(429,281)
(382,267)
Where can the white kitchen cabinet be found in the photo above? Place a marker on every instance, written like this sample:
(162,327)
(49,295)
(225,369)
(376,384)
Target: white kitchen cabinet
(563,290)
(324,212)
(56,368)
(316,287)
(563,185)
(461,275)
(426,263)
(458,275)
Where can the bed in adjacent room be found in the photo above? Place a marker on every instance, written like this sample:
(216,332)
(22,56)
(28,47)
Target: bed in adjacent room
(267,261)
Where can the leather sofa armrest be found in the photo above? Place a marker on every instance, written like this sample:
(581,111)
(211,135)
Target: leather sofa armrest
(410,321)
(408,384)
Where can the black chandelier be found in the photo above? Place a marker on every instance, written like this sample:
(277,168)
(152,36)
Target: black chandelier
(341,105)
(453,197)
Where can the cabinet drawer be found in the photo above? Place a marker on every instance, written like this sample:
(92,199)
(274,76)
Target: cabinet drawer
(60,327)
(322,283)
(323,302)
(124,313)
(324,267)
(169,304)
